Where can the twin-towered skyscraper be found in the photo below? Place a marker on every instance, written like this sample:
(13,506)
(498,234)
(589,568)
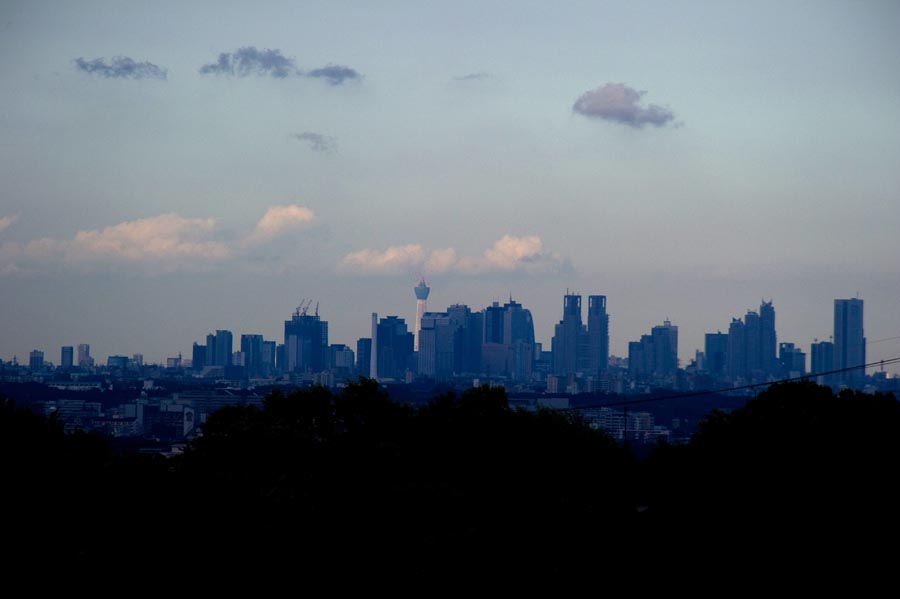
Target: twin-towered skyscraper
(580,349)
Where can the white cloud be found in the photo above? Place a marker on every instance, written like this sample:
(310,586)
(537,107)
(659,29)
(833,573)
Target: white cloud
(164,238)
(279,220)
(509,253)
(7,221)
(395,259)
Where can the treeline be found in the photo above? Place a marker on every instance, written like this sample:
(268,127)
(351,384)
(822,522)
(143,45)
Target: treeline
(334,484)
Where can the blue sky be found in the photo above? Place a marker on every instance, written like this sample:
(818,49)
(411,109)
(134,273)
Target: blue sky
(684,159)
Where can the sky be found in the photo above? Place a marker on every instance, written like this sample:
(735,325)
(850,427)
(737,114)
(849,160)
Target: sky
(168,169)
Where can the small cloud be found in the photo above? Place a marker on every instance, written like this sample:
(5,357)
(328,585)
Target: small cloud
(279,220)
(474,77)
(121,67)
(395,259)
(334,74)
(509,253)
(251,61)
(317,141)
(618,103)
(7,221)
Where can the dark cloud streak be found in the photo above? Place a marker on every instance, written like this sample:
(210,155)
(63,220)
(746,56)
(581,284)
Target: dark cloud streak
(474,77)
(618,103)
(317,141)
(251,61)
(121,67)
(334,74)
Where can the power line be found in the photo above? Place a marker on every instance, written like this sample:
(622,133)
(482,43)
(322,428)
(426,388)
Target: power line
(631,402)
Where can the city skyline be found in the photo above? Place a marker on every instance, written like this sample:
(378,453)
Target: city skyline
(164,181)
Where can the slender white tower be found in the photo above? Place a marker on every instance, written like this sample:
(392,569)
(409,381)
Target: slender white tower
(422,290)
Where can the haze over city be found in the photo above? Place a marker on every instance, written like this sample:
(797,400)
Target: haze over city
(170,170)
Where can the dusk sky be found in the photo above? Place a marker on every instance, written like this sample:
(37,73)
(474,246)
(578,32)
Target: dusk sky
(167,170)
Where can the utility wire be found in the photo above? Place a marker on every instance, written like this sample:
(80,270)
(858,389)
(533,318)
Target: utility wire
(631,402)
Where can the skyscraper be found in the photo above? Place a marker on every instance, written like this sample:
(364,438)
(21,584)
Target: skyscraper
(421,290)
(364,357)
(392,348)
(224,348)
(36,360)
(822,360)
(66,357)
(252,348)
(84,356)
(568,338)
(665,349)
(305,342)
(768,339)
(598,333)
(716,350)
(849,341)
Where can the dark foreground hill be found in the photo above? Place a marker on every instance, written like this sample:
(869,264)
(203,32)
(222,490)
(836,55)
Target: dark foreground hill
(333,485)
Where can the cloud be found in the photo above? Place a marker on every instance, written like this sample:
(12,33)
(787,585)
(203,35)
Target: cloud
(618,103)
(121,67)
(163,238)
(317,141)
(251,61)
(509,253)
(334,74)
(279,220)
(7,221)
(395,259)
(164,243)
(474,76)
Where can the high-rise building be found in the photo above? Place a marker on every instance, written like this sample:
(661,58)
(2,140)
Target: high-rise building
(792,360)
(364,357)
(252,348)
(84,356)
(598,333)
(736,356)
(198,357)
(224,348)
(467,339)
(716,350)
(36,360)
(508,346)
(849,342)
(392,348)
(421,290)
(436,344)
(567,338)
(305,342)
(821,361)
(768,339)
(66,357)
(268,358)
(665,349)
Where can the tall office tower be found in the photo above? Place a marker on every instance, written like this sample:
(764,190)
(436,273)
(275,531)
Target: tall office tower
(36,360)
(568,338)
(736,357)
(421,290)
(467,340)
(252,348)
(598,333)
(716,350)
(198,357)
(792,360)
(768,340)
(364,357)
(210,350)
(665,349)
(849,341)
(436,336)
(822,360)
(84,356)
(392,348)
(66,357)
(518,335)
(268,358)
(305,342)
(752,341)
(373,365)
(341,361)
(224,348)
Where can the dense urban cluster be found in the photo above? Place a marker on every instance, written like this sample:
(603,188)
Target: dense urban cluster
(457,348)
